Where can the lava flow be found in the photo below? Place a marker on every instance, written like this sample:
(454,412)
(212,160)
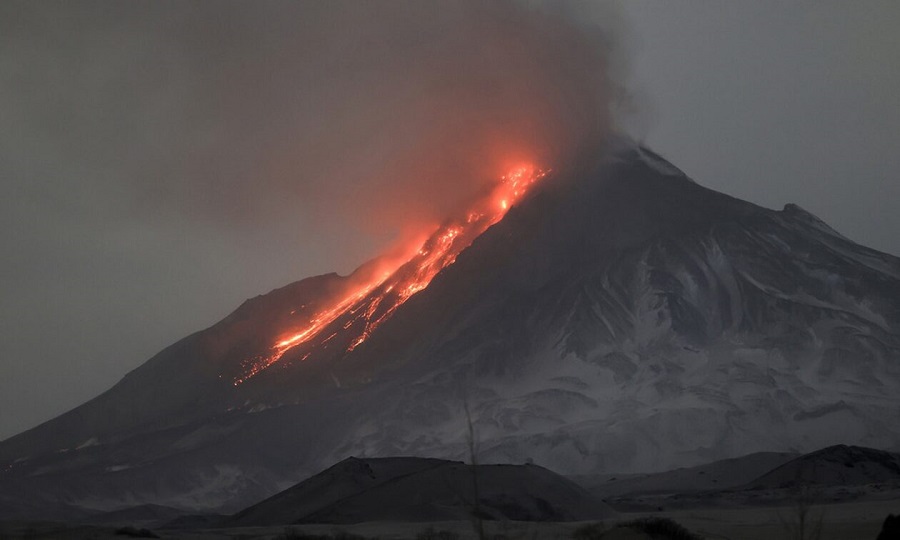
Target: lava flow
(358,313)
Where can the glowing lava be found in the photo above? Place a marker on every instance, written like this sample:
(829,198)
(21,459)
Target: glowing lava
(358,313)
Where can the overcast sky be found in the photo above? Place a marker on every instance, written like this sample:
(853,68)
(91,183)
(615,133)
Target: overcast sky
(161,163)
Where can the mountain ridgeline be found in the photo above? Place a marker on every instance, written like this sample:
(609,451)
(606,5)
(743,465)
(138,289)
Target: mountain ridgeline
(619,318)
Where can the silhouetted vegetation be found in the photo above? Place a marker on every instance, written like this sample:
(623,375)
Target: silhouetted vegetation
(431,534)
(591,531)
(661,528)
(802,523)
(294,534)
(658,528)
(135,532)
(890,530)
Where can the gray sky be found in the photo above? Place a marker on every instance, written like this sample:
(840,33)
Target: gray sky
(161,163)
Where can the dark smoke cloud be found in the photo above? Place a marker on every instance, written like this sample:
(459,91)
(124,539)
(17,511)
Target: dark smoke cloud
(377,109)
(164,160)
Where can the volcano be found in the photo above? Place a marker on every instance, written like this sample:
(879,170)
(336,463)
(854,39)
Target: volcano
(613,316)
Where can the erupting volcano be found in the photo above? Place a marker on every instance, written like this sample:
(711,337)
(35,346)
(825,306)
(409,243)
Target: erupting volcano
(367,305)
(622,318)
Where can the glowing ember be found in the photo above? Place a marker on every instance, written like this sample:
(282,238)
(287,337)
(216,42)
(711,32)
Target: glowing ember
(365,308)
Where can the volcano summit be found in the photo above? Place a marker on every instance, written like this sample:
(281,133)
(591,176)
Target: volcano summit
(616,317)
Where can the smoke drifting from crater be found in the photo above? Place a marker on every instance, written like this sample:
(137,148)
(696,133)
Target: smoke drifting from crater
(385,113)
(427,102)
(391,114)
(167,160)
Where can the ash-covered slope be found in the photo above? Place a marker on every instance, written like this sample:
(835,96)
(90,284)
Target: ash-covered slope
(631,320)
(839,465)
(718,475)
(835,474)
(620,318)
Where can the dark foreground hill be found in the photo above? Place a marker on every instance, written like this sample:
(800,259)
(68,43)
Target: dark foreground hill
(839,465)
(422,490)
(834,474)
(722,474)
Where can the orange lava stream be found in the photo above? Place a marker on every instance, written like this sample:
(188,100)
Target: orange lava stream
(364,309)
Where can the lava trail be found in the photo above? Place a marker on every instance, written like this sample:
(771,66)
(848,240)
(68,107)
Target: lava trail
(356,314)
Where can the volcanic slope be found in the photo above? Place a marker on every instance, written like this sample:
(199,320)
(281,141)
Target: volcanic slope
(620,318)
(421,490)
(838,465)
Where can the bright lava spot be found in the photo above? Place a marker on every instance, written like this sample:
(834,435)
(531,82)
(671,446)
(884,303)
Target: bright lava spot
(355,315)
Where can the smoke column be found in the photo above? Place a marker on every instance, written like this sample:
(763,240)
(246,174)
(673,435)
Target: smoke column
(164,161)
(379,115)
(420,104)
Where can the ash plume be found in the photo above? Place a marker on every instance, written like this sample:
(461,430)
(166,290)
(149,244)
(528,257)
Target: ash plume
(256,144)
(384,111)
